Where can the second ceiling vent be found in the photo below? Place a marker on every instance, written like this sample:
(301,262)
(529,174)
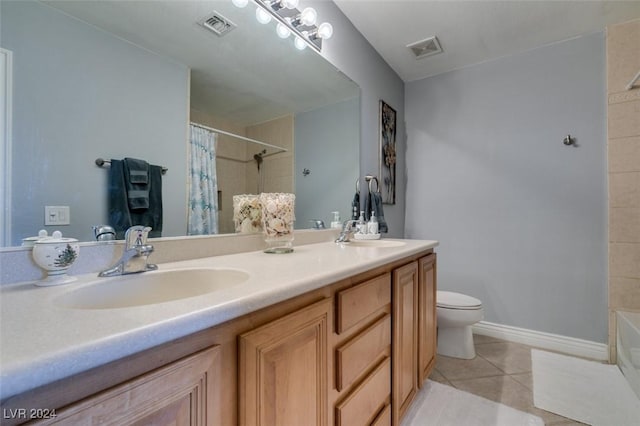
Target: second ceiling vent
(217,24)
(427,47)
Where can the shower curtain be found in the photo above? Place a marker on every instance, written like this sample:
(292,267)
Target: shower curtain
(203,191)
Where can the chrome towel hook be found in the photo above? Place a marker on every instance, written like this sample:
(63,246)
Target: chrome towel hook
(568,140)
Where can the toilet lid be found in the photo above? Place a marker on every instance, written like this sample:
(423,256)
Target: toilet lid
(451,300)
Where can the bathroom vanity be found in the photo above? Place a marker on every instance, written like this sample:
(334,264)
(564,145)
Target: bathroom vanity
(330,334)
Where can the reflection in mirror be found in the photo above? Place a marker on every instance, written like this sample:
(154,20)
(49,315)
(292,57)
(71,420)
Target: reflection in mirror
(116,79)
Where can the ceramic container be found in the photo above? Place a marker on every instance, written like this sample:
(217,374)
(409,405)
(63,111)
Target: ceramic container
(31,241)
(55,255)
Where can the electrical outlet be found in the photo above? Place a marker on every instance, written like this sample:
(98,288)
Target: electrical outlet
(57,215)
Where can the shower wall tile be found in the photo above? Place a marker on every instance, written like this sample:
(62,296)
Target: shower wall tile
(624,154)
(623,119)
(623,149)
(624,293)
(624,189)
(624,225)
(280,166)
(623,54)
(624,260)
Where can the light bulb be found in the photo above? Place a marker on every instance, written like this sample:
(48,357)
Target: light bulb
(282,30)
(240,3)
(325,30)
(290,4)
(309,16)
(262,16)
(299,43)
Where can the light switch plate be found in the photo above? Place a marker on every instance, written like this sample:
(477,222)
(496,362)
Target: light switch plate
(57,215)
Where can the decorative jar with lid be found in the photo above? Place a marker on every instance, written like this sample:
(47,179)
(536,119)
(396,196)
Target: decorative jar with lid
(55,255)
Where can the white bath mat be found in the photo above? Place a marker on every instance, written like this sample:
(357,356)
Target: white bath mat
(441,405)
(586,391)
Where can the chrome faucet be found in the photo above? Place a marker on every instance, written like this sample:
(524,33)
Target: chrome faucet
(347,228)
(135,255)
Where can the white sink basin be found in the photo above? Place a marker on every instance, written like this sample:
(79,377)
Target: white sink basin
(150,288)
(375,243)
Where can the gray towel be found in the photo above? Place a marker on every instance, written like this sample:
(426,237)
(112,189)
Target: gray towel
(137,170)
(373,203)
(136,177)
(355,206)
(120,216)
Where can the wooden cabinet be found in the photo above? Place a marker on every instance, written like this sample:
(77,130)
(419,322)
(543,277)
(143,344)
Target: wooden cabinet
(283,369)
(426,316)
(184,392)
(351,353)
(414,330)
(405,339)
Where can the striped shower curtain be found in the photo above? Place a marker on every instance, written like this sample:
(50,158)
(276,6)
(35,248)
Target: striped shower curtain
(203,191)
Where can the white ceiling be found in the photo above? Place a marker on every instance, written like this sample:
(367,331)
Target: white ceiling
(471,32)
(248,76)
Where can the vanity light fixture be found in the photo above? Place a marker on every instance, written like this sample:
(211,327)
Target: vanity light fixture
(307,17)
(282,30)
(262,16)
(280,4)
(325,31)
(240,3)
(290,20)
(299,43)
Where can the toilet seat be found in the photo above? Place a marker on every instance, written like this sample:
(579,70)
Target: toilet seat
(452,300)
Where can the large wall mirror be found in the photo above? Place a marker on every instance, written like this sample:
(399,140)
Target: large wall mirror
(116,79)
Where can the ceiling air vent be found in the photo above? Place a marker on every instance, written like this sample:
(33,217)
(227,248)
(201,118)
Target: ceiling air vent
(424,48)
(217,24)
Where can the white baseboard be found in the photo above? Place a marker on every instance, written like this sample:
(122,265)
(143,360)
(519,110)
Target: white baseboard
(538,339)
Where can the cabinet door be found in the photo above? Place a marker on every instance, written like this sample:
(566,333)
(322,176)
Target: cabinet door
(426,316)
(183,393)
(404,339)
(283,369)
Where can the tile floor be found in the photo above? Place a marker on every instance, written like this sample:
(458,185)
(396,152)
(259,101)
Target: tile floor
(501,372)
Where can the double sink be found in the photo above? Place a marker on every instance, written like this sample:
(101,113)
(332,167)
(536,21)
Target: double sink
(162,286)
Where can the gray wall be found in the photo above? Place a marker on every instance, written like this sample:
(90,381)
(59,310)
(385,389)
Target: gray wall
(349,51)
(323,146)
(76,86)
(520,217)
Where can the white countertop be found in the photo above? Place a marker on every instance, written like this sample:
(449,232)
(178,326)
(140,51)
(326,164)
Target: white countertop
(41,342)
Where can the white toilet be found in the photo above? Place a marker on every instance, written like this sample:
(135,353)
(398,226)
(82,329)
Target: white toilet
(456,314)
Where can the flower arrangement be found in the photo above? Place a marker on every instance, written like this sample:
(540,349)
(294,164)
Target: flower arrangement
(247,213)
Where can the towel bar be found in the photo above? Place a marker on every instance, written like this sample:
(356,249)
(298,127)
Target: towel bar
(100,162)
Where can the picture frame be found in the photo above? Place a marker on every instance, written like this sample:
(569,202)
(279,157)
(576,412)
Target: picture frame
(387,152)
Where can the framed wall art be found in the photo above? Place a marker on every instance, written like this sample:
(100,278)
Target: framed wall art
(387,153)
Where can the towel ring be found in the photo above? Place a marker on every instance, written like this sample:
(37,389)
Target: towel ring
(358,186)
(370,179)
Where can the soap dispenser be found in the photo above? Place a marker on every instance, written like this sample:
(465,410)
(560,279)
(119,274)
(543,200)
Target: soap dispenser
(361,225)
(373,224)
(336,220)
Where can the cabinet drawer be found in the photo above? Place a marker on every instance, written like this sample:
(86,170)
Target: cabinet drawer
(357,303)
(366,401)
(384,418)
(353,358)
